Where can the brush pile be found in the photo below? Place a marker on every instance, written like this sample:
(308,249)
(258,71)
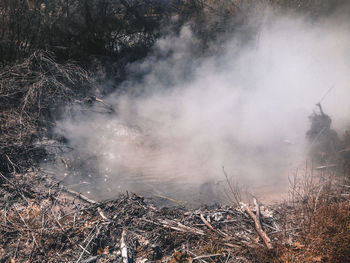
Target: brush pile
(31,94)
(50,223)
(43,221)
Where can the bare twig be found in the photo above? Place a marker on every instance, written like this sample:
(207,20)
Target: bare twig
(80,196)
(257,209)
(233,188)
(88,243)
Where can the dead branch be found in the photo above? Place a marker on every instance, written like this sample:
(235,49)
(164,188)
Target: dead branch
(80,196)
(258,226)
(220,233)
(257,209)
(179,227)
(233,187)
(97,228)
(232,245)
(124,248)
(99,210)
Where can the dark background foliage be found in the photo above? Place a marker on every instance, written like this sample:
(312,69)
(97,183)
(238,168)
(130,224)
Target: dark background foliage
(114,30)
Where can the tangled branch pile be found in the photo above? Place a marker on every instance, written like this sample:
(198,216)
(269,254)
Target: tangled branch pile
(31,96)
(53,224)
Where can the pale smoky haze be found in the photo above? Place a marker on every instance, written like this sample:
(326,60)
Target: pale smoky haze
(183,117)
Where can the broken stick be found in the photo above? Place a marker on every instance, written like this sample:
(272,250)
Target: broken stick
(222,234)
(124,248)
(80,196)
(257,209)
(176,226)
(258,226)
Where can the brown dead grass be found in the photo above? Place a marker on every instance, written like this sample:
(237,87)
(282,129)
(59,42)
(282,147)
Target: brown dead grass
(324,233)
(329,234)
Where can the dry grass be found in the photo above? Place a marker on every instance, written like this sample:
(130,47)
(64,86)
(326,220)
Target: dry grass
(317,220)
(329,234)
(323,237)
(31,96)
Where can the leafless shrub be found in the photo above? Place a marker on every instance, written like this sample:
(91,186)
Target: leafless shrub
(31,96)
(232,190)
(318,218)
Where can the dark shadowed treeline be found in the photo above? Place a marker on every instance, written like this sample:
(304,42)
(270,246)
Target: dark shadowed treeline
(109,32)
(84,30)
(78,29)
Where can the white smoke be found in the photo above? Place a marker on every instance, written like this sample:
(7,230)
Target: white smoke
(245,108)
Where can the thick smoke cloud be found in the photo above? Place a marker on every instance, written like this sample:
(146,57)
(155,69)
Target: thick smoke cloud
(246,108)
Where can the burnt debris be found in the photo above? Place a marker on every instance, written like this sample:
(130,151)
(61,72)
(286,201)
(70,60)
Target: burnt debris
(41,220)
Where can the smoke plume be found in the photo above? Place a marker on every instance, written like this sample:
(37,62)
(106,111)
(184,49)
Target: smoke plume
(182,116)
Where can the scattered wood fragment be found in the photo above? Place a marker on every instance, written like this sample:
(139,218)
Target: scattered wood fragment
(96,231)
(220,233)
(176,226)
(232,245)
(324,167)
(182,227)
(80,196)
(258,226)
(78,224)
(63,160)
(99,210)
(257,209)
(124,248)
(206,223)
(207,256)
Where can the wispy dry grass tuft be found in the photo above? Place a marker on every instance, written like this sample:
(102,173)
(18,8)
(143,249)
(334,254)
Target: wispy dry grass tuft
(31,96)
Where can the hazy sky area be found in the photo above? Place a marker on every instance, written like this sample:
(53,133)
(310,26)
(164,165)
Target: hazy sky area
(245,108)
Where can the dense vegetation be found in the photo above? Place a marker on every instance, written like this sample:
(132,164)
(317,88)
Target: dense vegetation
(84,30)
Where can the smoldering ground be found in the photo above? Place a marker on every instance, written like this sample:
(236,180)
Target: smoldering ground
(183,117)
